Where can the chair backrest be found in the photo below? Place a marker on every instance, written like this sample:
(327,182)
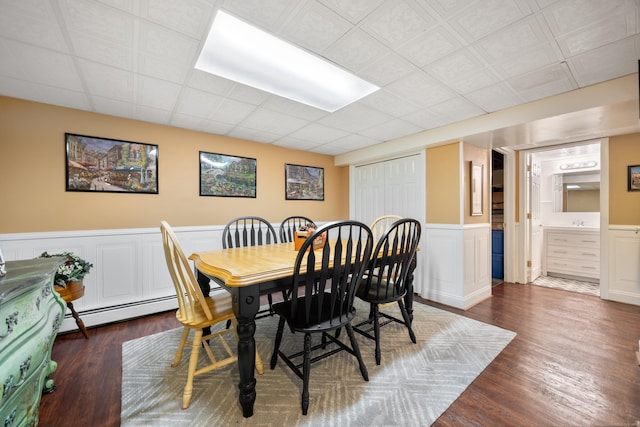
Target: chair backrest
(381,224)
(326,276)
(391,261)
(187,290)
(248,231)
(290,225)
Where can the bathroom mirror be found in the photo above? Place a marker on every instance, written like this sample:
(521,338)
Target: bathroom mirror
(576,192)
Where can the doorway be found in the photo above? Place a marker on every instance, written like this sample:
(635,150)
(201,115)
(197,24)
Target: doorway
(553,177)
(497,217)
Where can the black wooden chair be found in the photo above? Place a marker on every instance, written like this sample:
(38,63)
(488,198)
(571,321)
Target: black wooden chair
(325,279)
(289,226)
(386,279)
(250,231)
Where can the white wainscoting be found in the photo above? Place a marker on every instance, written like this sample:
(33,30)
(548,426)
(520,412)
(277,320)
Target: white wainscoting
(129,277)
(457,264)
(624,264)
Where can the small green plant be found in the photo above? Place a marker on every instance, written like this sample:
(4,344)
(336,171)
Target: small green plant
(72,270)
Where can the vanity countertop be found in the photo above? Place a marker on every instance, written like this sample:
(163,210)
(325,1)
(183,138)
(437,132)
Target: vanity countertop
(570,228)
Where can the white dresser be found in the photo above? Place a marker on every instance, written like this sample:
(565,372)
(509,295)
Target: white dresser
(572,252)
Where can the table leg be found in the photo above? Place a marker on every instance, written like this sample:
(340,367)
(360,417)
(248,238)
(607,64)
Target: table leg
(246,302)
(79,321)
(408,298)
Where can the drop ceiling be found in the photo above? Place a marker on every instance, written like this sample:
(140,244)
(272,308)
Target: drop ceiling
(438,62)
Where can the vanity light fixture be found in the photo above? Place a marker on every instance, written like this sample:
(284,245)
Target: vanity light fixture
(240,52)
(578,165)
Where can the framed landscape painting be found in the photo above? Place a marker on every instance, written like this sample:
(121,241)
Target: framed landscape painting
(303,182)
(227,176)
(110,165)
(633,178)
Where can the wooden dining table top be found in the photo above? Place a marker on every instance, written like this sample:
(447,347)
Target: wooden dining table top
(248,265)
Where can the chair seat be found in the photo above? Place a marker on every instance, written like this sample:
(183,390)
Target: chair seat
(195,317)
(325,320)
(383,292)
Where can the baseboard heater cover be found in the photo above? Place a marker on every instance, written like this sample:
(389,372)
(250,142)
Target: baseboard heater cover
(120,312)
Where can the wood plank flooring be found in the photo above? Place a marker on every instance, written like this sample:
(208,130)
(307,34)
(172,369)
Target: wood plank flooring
(572,363)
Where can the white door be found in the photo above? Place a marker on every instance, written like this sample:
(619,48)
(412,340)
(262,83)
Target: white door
(391,187)
(534,221)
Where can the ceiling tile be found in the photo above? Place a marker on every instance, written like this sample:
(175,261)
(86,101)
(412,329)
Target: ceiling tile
(354,118)
(37,24)
(389,103)
(494,98)
(190,17)
(430,46)
(315,27)
(318,133)
(156,93)
(396,22)
(42,66)
(387,69)
(525,62)
(353,10)
(567,16)
(167,44)
(295,143)
(232,111)
(356,50)
(514,40)
(458,109)
(420,89)
(608,62)
(608,30)
(272,122)
(85,18)
(542,83)
(197,103)
(153,115)
(488,16)
(391,129)
(108,82)
(46,94)
(251,134)
(293,108)
(269,14)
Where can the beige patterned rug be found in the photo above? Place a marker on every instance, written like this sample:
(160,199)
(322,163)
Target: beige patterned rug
(413,386)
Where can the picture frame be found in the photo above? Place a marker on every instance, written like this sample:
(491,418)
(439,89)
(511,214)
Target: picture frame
(476,189)
(224,175)
(105,165)
(633,178)
(303,182)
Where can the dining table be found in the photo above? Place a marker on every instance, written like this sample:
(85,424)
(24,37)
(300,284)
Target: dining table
(247,273)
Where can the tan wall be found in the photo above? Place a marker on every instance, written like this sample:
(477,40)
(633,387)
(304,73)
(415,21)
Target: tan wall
(624,206)
(480,156)
(443,184)
(32,176)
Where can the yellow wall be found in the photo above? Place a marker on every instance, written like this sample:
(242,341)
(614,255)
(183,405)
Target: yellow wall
(443,184)
(624,206)
(32,176)
(478,156)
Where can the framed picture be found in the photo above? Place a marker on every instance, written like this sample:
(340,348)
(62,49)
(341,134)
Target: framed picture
(110,165)
(303,182)
(227,176)
(476,189)
(633,179)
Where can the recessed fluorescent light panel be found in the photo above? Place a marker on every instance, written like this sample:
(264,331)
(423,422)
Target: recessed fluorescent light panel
(240,52)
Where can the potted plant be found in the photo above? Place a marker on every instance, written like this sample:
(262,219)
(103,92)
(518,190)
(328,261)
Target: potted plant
(72,270)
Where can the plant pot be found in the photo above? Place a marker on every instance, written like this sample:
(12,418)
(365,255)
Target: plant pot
(72,291)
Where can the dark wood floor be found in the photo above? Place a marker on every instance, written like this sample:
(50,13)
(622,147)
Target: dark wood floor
(572,363)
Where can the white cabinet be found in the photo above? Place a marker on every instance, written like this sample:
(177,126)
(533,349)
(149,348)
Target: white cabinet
(573,252)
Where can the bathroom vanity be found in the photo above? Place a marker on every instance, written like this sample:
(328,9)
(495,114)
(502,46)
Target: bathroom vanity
(572,252)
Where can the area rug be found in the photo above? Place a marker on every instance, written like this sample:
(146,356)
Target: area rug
(413,386)
(569,285)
